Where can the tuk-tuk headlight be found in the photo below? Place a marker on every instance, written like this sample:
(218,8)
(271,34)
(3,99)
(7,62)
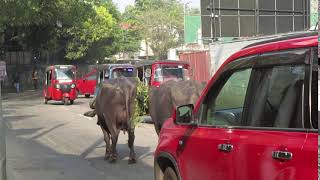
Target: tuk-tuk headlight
(73,86)
(57,86)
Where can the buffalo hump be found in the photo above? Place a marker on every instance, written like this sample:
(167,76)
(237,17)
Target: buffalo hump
(115,102)
(170,95)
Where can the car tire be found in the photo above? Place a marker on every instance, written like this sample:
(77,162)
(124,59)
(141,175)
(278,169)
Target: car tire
(78,93)
(170,174)
(87,95)
(71,101)
(45,101)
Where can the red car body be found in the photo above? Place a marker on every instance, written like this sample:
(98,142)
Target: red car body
(250,151)
(60,84)
(161,71)
(87,84)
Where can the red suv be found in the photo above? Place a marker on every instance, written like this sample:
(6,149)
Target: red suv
(257,119)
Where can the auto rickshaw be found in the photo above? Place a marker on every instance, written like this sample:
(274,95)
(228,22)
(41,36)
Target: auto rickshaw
(112,71)
(109,71)
(60,84)
(154,73)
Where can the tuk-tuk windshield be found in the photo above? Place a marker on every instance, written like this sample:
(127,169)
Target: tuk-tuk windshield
(126,72)
(171,72)
(64,74)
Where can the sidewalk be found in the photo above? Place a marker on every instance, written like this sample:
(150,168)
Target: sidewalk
(27,93)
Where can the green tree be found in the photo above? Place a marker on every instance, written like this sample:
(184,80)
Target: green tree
(76,27)
(93,29)
(161,24)
(130,36)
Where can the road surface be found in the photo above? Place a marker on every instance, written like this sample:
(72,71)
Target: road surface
(56,142)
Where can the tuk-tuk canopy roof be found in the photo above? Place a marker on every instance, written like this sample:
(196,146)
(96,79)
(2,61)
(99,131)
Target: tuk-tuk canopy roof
(59,66)
(102,67)
(150,62)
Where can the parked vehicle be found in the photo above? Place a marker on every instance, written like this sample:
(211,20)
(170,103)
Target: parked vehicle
(154,73)
(111,71)
(256,119)
(60,84)
(87,84)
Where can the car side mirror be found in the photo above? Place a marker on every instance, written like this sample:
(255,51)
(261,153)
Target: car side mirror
(184,114)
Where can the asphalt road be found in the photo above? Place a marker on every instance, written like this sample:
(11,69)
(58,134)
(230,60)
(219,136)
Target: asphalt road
(55,142)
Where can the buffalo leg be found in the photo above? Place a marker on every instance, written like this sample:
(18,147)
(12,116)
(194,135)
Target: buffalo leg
(132,156)
(157,127)
(114,139)
(107,141)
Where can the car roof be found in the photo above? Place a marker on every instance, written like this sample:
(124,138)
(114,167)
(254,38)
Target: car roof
(289,41)
(282,37)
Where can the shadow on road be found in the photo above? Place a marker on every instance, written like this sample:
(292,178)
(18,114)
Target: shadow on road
(48,131)
(40,145)
(33,160)
(60,103)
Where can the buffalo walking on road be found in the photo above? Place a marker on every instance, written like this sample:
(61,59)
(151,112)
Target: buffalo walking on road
(115,109)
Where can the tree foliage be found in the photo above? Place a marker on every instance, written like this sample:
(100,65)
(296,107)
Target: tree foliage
(160,23)
(78,28)
(90,31)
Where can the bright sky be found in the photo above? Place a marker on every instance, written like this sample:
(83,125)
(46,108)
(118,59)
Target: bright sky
(123,3)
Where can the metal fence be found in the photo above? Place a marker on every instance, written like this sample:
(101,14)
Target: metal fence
(246,18)
(200,64)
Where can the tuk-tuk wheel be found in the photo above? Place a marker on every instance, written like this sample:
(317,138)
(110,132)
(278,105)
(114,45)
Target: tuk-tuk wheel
(87,95)
(45,101)
(65,101)
(71,101)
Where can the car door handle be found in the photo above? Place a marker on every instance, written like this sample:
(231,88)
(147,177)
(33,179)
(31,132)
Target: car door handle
(225,147)
(282,155)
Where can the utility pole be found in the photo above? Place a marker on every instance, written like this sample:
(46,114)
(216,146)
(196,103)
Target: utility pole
(3,167)
(211,8)
(147,50)
(3,73)
(184,20)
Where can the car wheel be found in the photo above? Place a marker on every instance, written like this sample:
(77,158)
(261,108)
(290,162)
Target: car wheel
(87,95)
(170,174)
(78,93)
(65,101)
(71,101)
(45,101)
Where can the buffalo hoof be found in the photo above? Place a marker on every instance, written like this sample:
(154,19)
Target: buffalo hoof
(132,161)
(106,158)
(112,160)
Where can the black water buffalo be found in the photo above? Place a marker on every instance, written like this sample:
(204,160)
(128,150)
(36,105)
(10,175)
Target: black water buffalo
(115,107)
(168,96)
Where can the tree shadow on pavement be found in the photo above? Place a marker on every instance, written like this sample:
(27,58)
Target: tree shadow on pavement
(10,118)
(30,158)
